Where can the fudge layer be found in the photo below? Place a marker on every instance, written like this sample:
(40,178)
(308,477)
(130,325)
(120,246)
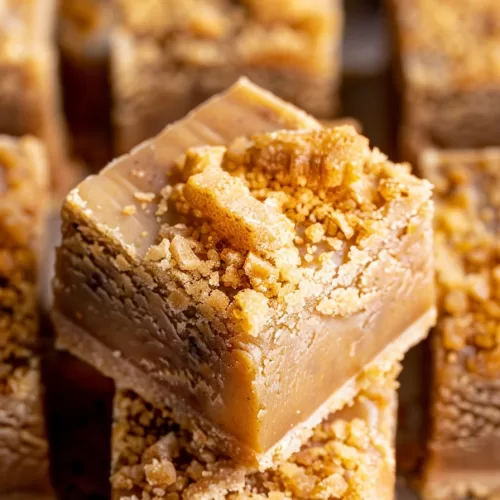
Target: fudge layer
(168,57)
(29,86)
(463,456)
(450,72)
(225,281)
(350,455)
(83,38)
(23,193)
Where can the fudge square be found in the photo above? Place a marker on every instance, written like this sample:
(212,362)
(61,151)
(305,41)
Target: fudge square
(23,193)
(463,457)
(167,57)
(228,281)
(29,89)
(349,456)
(448,59)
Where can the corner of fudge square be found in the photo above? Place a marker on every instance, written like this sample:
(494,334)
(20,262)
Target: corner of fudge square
(239,259)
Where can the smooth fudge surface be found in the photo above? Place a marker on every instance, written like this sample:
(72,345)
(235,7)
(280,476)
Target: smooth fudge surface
(450,69)
(463,456)
(23,195)
(224,281)
(29,85)
(167,57)
(350,455)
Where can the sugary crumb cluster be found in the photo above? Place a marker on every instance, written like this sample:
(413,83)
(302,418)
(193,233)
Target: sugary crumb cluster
(261,32)
(21,201)
(155,460)
(270,221)
(448,43)
(468,260)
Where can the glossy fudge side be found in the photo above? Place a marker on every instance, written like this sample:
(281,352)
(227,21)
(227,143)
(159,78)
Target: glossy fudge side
(463,457)
(23,192)
(349,456)
(83,37)
(169,57)
(449,71)
(29,88)
(106,292)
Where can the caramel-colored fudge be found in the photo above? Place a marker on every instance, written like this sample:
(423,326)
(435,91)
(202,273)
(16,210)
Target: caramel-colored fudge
(450,72)
(463,451)
(23,193)
(349,456)
(168,57)
(83,37)
(29,88)
(225,281)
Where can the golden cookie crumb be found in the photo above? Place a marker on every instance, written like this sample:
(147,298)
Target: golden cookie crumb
(129,210)
(144,197)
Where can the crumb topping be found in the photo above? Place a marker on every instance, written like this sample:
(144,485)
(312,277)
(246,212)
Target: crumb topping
(282,215)
(154,459)
(129,210)
(450,42)
(468,258)
(23,191)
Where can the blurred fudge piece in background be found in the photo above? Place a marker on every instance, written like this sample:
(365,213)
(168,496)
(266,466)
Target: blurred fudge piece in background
(449,71)
(464,449)
(24,192)
(29,83)
(167,57)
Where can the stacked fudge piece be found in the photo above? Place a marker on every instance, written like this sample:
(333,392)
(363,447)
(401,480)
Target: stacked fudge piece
(243,276)
(23,195)
(349,455)
(167,57)
(463,454)
(450,73)
(29,85)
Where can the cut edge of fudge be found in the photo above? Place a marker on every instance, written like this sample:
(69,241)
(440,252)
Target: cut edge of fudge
(68,327)
(77,341)
(350,455)
(466,383)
